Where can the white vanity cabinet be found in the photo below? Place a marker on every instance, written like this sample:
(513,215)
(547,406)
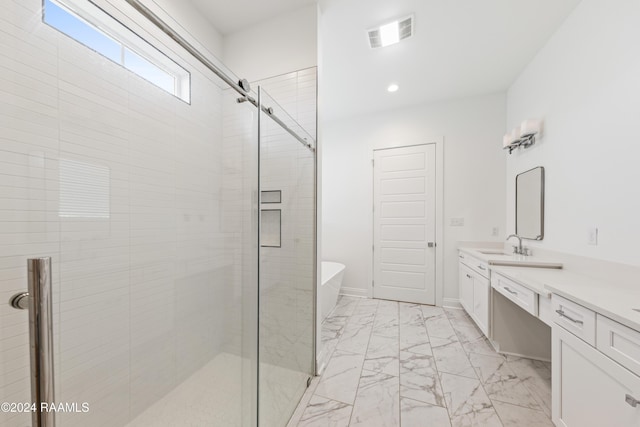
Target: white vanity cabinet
(474,289)
(466,287)
(481,289)
(590,389)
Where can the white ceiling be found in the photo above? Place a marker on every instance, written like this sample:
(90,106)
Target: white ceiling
(460,48)
(233,15)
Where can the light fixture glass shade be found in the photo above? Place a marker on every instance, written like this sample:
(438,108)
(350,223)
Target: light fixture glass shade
(393,88)
(530,127)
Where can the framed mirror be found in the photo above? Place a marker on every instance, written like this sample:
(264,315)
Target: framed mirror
(530,204)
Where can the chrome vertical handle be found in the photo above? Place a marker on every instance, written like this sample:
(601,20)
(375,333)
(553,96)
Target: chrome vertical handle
(38,300)
(41,336)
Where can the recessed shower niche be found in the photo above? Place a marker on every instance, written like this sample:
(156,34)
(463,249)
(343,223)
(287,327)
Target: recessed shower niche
(271,228)
(271,220)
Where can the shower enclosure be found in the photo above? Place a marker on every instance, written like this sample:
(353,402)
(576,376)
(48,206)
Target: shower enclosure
(181,233)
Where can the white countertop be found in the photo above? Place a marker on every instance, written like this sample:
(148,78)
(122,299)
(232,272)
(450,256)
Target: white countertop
(498,257)
(606,298)
(610,299)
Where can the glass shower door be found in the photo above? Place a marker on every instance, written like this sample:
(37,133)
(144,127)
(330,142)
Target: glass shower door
(287,263)
(147,206)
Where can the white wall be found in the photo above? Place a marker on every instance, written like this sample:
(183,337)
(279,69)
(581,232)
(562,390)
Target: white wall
(193,24)
(473,178)
(584,84)
(277,46)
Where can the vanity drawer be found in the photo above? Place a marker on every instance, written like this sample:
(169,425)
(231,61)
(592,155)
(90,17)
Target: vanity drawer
(475,264)
(575,318)
(524,297)
(619,342)
(481,267)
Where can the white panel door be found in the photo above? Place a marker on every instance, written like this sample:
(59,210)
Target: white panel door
(404,224)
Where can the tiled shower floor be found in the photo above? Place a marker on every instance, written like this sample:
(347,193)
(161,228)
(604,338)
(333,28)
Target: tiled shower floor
(213,396)
(398,364)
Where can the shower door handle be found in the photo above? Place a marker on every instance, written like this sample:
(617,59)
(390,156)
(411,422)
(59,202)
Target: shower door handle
(38,300)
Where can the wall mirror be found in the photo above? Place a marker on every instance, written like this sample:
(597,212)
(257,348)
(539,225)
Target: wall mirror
(530,204)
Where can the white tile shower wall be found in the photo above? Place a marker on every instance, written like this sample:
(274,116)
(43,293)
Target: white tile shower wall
(140,297)
(239,197)
(296,92)
(239,218)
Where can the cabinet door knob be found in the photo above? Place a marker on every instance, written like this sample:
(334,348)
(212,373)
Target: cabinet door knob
(632,401)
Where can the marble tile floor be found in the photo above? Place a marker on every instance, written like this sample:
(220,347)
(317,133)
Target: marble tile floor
(411,365)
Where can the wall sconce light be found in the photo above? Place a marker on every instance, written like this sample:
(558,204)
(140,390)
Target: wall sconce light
(522,136)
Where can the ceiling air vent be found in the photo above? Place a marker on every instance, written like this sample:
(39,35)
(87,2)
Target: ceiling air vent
(374,38)
(391,33)
(405,28)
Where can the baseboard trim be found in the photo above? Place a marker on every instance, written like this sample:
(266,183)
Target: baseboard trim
(524,356)
(321,362)
(353,292)
(451,303)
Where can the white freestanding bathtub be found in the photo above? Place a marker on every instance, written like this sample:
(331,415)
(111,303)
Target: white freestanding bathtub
(331,278)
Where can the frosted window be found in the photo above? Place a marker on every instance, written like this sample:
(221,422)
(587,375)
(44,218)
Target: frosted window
(99,31)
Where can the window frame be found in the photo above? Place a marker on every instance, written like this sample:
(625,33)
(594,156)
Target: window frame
(104,23)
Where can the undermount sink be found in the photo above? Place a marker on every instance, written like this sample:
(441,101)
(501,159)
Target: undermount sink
(506,259)
(493,252)
(525,263)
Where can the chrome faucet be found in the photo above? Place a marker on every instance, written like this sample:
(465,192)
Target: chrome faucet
(518,249)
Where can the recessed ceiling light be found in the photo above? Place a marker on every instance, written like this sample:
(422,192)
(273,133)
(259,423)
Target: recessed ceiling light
(393,88)
(391,33)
